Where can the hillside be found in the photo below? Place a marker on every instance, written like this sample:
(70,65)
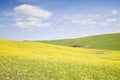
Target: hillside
(106,41)
(39,61)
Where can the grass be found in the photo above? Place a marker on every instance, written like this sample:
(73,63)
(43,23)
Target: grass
(38,61)
(106,42)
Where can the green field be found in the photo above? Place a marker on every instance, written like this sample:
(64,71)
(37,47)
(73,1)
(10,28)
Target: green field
(20,60)
(106,42)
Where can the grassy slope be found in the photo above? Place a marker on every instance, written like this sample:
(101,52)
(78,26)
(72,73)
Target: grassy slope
(107,41)
(39,61)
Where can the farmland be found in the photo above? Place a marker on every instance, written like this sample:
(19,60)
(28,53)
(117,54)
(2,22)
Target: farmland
(59,39)
(21,60)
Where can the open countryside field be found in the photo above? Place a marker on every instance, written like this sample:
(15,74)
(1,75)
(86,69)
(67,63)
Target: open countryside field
(59,39)
(106,42)
(21,60)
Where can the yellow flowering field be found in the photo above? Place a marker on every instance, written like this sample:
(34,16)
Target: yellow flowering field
(21,60)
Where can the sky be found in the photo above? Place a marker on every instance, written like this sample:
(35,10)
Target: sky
(58,19)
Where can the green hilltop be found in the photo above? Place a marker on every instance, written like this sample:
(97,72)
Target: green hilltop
(106,42)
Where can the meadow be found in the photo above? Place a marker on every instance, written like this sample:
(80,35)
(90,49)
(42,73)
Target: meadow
(104,41)
(21,60)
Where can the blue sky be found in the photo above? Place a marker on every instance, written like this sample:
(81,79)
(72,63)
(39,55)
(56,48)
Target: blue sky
(57,19)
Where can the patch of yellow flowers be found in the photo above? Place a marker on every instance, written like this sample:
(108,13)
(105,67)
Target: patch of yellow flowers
(38,61)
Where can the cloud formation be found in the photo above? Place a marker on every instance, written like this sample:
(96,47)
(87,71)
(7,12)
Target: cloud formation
(97,19)
(28,1)
(84,22)
(113,12)
(29,16)
(109,21)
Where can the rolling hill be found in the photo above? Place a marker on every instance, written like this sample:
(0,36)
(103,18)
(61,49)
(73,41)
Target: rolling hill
(39,61)
(106,42)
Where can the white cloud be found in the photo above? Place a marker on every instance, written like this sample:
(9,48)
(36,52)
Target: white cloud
(109,21)
(74,31)
(75,21)
(60,28)
(30,24)
(84,22)
(28,0)
(96,20)
(97,15)
(29,16)
(92,15)
(32,11)
(113,12)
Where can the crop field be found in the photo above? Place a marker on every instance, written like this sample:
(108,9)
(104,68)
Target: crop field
(59,39)
(21,60)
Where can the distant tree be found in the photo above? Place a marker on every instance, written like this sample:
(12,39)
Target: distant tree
(26,40)
(77,45)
